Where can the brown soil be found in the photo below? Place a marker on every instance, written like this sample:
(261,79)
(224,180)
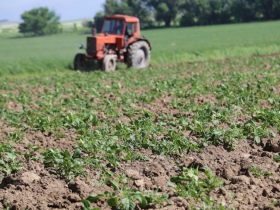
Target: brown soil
(35,188)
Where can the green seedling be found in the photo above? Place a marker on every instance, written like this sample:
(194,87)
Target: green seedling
(30,155)
(8,159)
(273,202)
(63,163)
(276,158)
(124,197)
(193,186)
(16,137)
(258,171)
(86,205)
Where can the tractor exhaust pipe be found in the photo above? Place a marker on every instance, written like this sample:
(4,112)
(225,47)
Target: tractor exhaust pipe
(94,29)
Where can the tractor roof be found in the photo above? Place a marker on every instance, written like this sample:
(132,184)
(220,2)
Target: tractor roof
(126,18)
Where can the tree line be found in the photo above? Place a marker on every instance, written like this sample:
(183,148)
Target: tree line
(162,13)
(192,12)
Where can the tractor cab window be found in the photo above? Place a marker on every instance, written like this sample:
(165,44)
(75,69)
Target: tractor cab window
(113,26)
(128,31)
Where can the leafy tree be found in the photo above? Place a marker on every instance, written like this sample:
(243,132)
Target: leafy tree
(268,9)
(99,20)
(205,12)
(165,10)
(243,10)
(195,12)
(39,21)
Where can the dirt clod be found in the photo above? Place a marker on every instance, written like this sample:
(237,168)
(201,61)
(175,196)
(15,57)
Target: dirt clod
(79,187)
(240,179)
(272,146)
(74,198)
(180,202)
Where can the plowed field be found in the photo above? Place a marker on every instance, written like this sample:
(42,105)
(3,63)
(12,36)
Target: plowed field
(192,136)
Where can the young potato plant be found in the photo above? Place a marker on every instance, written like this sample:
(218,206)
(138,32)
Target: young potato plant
(258,171)
(30,154)
(193,186)
(17,136)
(63,163)
(124,197)
(257,132)
(8,160)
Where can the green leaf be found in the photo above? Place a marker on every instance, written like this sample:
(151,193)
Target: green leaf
(270,100)
(67,153)
(113,201)
(128,203)
(107,194)
(257,139)
(272,134)
(99,184)
(192,174)
(115,184)
(8,171)
(86,204)
(94,198)
(267,173)
(10,156)
(148,198)
(48,164)
(165,196)
(207,172)
(58,160)
(106,171)
(276,158)
(76,154)
(273,202)
(177,179)
(142,200)
(170,185)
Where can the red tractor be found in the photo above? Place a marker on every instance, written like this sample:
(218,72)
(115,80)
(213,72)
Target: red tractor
(119,41)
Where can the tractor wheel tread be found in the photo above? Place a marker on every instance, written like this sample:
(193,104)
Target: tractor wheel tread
(79,62)
(132,53)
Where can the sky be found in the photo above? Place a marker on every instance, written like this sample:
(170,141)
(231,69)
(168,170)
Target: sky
(66,9)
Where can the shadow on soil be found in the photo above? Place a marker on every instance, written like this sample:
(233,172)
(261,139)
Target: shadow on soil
(94,66)
(90,66)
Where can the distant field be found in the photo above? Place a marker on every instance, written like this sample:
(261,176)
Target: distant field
(56,53)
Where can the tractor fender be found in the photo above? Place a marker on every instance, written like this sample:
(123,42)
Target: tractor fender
(130,42)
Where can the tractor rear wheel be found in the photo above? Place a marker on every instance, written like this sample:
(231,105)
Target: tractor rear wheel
(80,62)
(138,55)
(109,63)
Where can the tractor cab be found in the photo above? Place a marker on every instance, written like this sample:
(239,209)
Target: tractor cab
(120,25)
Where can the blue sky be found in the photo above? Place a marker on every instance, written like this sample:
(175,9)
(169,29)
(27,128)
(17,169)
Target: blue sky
(66,9)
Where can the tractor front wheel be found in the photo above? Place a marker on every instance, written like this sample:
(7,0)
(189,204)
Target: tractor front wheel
(138,55)
(80,62)
(109,63)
